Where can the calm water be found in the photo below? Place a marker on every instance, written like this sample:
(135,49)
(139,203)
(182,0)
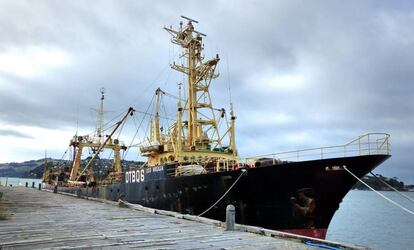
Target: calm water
(365,218)
(18,181)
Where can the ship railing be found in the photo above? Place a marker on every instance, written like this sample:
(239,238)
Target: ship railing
(367,144)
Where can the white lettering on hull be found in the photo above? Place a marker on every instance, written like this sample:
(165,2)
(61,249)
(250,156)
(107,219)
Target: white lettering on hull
(134,176)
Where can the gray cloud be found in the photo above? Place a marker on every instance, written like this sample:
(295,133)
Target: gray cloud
(14,133)
(353,61)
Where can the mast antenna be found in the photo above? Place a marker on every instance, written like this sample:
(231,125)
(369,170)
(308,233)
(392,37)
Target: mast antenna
(99,129)
(228,79)
(189,19)
(77,118)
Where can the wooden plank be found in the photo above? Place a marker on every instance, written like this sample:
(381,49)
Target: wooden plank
(38,219)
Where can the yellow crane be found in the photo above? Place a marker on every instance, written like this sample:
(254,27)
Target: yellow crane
(97,143)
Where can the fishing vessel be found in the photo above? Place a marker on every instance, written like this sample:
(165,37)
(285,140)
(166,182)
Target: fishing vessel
(193,166)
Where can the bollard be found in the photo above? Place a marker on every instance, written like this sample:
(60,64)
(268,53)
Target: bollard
(27,184)
(79,192)
(40,186)
(33,184)
(230,217)
(55,189)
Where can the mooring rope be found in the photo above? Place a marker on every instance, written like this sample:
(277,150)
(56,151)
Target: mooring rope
(383,196)
(388,185)
(310,243)
(228,190)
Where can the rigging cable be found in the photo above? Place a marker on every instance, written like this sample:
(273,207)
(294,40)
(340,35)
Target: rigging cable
(383,196)
(243,171)
(150,114)
(63,156)
(165,112)
(111,121)
(120,130)
(228,78)
(388,185)
(133,138)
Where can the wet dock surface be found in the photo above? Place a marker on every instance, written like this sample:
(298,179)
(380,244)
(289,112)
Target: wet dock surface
(33,219)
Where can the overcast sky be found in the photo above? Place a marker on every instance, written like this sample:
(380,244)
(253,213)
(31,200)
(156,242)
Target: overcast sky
(301,73)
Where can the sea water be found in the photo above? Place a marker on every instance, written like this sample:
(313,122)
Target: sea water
(365,218)
(14,181)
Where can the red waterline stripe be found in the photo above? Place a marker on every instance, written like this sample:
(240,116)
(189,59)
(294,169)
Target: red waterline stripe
(319,233)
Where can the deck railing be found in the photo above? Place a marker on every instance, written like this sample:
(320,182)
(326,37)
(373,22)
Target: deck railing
(367,144)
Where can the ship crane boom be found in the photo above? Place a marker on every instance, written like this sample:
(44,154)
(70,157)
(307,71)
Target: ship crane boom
(74,177)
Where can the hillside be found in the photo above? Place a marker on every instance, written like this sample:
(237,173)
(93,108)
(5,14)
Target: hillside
(100,167)
(34,168)
(18,169)
(377,183)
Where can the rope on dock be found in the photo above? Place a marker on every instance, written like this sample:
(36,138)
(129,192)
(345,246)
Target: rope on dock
(383,196)
(388,185)
(310,243)
(228,190)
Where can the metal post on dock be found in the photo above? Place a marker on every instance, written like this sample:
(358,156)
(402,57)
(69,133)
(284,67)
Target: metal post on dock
(40,186)
(27,184)
(230,217)
(55,189)
(33,184)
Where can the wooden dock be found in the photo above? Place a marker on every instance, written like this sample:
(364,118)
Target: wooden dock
(33,219)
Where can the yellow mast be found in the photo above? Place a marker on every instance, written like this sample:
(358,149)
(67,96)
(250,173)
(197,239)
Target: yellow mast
(199,78)
(179,146)
(197,139)
(232,131)
(157,137)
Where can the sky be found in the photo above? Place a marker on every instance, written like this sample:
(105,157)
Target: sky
(301,74)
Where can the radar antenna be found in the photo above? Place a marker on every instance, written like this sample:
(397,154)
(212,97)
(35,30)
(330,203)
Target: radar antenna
(189,19)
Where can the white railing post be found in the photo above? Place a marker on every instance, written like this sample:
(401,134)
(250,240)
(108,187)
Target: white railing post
(369,146)
(388,146)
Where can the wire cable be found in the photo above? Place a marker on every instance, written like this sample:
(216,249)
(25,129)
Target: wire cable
(228,190)
(388,185)
(383,196)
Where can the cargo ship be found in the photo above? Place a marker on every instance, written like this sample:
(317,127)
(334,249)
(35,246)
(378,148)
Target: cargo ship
(193,166)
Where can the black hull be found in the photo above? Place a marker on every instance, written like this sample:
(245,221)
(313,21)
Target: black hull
(299,197)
